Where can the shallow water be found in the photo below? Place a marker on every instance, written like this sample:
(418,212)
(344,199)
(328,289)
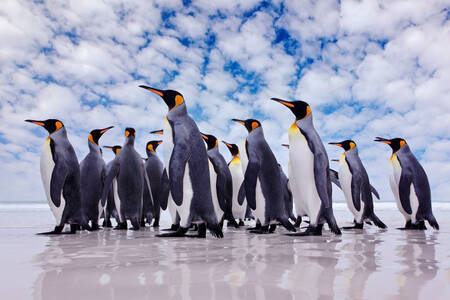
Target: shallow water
(368,264)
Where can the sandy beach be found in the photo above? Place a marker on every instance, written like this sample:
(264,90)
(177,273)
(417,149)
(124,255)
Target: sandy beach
(109,264)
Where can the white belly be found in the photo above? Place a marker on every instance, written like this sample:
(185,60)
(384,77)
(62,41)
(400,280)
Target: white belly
(213,180)
(244,158)
(47,166)
(394,180)
(167,148)
(184,210)
(117,199)
(172,208)
(260,211)
(237,177)
(301,177)
(345,179)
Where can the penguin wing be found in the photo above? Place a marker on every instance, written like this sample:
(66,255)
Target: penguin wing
(103,176)
(148,186)
(404,189)
(250,179)
(57,181)
(222,185)
(356,192)
(334,176)
(241,194)
(375,192)
(177,165)
(112,173)
(164,190)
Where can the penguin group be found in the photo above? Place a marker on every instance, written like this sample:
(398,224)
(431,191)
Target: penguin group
(201,190)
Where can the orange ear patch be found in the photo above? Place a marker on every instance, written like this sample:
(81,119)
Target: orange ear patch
(91,139)
(254,125)
(58,125)
(178,100)
(150,147)
(402,143)
(127,133)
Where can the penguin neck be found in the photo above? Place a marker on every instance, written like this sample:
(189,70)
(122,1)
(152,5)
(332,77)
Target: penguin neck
(150,153)
(60,133)
(213,151)
(305,123)
(129,141)
(257,132)
(94,148)
(177,111)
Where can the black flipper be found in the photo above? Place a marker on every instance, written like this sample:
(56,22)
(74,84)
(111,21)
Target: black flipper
(405,190)
(57,182)
(164,190)
(374,192)
(177,165)
(241,194)
(250,179)
(334,176)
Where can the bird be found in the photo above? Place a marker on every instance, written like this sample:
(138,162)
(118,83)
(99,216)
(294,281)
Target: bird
(410,186)
(355,184)
(92,170)
(235,165)
(113,196)
(60,173)
(262,180)
(309,175)
(188,166)
(128,169)
(171,206)
(223,182)
(160,191)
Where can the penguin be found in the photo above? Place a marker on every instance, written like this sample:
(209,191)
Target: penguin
(167,148)
(110,209)
(262,180)
(160,192)
(223,181)
(92,170)
(355,184)
(309,176)
(410,186)
(188,166)
(128,169)
(235,166)
(60,173)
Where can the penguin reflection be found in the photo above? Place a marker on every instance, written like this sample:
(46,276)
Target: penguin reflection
(418,257)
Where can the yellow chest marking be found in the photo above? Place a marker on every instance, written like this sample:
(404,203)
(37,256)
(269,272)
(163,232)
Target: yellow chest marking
(394,160)
(235,160)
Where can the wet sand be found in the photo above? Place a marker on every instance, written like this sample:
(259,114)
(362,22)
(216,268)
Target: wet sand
(109,264)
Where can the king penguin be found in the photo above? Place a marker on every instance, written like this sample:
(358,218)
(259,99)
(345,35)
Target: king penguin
(167,148)
(110,209)
(60,173)
(237,175)
(128,169)
(355,184)
(410,186)
(160,192)
(310,173)
(92,169)
(262,180)
(223,182)
(188,166)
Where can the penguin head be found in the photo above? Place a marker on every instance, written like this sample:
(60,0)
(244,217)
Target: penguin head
(234,149)
(346,145)
(114,149)
(152,145)
(160,131)
(95,134)
(285,146)
(171,98)
(130,132)
(396,143)
(299,108)
(210,140)
(250,124)
(51,125)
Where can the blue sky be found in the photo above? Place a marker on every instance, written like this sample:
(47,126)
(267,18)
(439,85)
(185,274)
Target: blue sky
(367,68)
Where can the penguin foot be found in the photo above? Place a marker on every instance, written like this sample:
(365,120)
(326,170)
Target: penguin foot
(201,232)
(174,227)
(286,224)
(298,222)
(95,227)
(121,226)
(262,230)
(57,230)
(272,228)
(107,224)
(73,229)
(356,226)
(241,223)
(181,232)
(408,225)
(310,231)
(156,222)
(257,227)
(136,224)
(215,230)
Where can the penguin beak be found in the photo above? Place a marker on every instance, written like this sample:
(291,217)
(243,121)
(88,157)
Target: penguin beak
(160,142)
(108,147)
(106,129)
(382,140)
(284,102)
(336,144)
(40,123)
(285,145)
(161,131)
(238,121)
(204,136)
(156,91)
(228,145)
